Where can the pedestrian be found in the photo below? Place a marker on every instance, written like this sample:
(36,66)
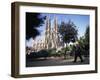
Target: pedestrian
(77,53)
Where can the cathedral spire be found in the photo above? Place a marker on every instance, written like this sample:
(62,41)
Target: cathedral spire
(48,23)
(55,24)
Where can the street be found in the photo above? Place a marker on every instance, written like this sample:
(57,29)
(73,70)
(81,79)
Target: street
(55,61)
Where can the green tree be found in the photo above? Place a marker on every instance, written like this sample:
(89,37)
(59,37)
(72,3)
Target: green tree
(68,32)
(87,35)
(87,41)
(33,21)
(84,42)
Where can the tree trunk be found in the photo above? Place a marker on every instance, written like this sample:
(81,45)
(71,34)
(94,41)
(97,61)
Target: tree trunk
(65,52)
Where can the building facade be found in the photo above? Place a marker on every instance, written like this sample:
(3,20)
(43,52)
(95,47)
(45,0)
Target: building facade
(51,39)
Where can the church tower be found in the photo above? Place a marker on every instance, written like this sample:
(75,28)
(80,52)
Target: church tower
(55,24)
(52,39)
(56,32)
(47,33)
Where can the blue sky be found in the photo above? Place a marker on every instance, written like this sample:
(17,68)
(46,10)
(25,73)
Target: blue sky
(81,21)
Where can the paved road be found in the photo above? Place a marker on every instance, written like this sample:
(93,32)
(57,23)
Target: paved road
(55,62)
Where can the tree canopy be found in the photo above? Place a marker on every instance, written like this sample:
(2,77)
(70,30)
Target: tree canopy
(84,42)
(33,20)
(68,31)
(87,34)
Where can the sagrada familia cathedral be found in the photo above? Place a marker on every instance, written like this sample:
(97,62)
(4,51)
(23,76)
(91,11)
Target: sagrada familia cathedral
(52,37)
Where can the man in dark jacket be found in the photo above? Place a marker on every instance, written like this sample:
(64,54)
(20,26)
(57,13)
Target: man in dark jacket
(78,53)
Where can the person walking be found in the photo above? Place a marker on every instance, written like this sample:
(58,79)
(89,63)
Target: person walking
(78,53)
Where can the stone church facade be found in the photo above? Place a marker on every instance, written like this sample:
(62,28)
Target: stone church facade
(52,37)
